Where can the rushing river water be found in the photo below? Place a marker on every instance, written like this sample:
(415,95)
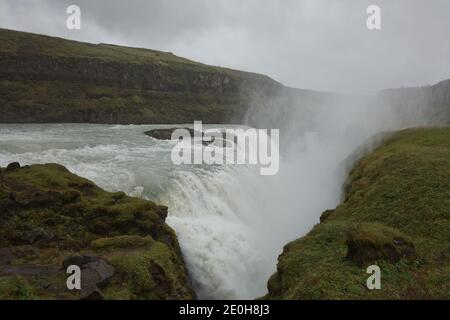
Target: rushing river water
(231,222)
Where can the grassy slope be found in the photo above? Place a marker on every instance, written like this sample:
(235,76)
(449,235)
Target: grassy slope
(127,232)
(58,80)
(16,42)
(402,188)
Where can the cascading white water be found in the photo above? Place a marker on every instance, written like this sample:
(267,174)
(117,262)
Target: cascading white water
(212,208)
(231,222)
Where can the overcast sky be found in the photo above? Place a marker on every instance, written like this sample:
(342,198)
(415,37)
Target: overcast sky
(314,44)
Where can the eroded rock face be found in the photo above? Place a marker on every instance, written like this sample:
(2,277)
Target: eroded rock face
(55,219)
(374,242)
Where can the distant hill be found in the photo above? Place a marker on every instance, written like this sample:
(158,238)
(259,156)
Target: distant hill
(48,79)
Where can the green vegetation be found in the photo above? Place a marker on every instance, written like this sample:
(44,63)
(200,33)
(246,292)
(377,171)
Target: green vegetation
(16,288)
(49,215)
(396,214)
(48,79)
(16,42)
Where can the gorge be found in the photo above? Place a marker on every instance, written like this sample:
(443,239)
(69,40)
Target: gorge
(87,107)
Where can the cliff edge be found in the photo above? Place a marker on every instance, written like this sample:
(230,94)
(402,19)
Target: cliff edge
(51,219)
(46,79)
(396,215)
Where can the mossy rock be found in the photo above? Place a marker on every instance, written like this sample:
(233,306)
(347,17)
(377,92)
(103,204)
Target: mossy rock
(122,242)
(16,288)
(371,242)
(48,214)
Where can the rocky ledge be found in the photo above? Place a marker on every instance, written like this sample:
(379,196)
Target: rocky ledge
(51,219)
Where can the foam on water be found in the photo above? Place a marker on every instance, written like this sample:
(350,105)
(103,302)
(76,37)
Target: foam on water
(209,207)
(232,223)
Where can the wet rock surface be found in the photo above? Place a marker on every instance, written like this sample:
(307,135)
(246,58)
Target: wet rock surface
(166,134)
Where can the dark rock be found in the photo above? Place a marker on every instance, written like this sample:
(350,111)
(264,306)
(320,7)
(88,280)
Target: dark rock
(38,236)
(166,134)
(12,196)
(94,294)
(12,166)
(98,272)
(371,242)
(78,260)
(162,134)
(95,273)
(6,256)
(325,215)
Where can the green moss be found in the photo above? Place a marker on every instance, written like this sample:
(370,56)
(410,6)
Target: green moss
(14,41)
(16,288)
(113,84)
(397,197)
(152,273)
(376,234)
(121,242)
(48,214)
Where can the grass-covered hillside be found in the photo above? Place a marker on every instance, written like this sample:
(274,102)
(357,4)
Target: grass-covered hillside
(51,219)
(396,214)
(48,79)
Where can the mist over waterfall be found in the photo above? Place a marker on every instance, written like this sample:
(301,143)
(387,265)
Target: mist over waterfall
(231,222)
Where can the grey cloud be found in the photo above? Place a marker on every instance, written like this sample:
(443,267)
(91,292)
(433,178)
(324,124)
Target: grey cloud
(316,44)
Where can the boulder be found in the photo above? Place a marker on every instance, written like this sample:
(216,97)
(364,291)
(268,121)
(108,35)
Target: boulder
(166,134)
(13,166)
(95,273)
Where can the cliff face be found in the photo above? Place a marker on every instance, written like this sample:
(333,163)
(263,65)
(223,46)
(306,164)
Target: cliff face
(46,79)
(51,219)
(396,214)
